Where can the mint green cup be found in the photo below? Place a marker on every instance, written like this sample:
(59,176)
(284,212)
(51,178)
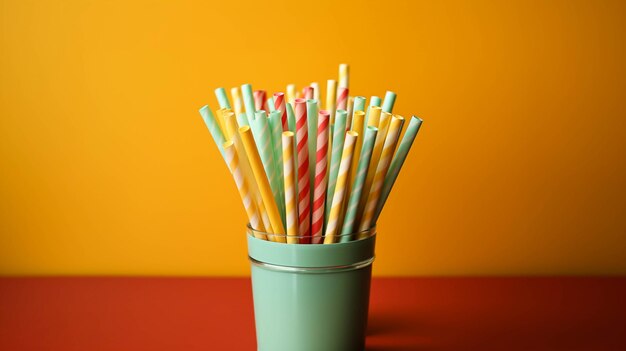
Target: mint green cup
(311,297)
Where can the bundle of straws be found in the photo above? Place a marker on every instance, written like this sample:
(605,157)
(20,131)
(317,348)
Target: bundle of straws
(305,174)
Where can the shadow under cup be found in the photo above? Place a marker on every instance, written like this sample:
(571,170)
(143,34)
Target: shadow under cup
(311,297)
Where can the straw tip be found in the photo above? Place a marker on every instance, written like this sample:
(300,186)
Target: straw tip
(220,89)
(288,133)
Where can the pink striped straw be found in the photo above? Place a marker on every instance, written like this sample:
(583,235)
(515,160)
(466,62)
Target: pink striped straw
(342,98)
(308,92)
(260,98)
(302,149)
(279,104)
(319,192)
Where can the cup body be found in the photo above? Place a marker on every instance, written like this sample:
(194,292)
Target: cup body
(311,297)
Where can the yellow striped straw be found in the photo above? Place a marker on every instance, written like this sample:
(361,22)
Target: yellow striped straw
(232,127)
(291,93)
(344,75)
(333,224)
(373,120)
(357,126)
(289,175)
(264,185)
(221,120)
(237,102)
(248,202)
(395,127)
(331,99)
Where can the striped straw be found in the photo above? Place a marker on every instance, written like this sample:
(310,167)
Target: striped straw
(263,138)
(279,104)
(311,113)
(319,193)
(308,93)
(219,114)
(276,132)
(291,93)
(331,99)
(248,101)
(373,121)
(248,202)
(238,104)
(260,96)
(397,162)
(270,105)
(350,111)
(357,126)
(357,188)
(289,174)
(390,99)
(242,119)
(316,91)
(342,98)
(335,156)
(213,126)
(304,206)
(291,119)
(395,128)
(375,101)
(359,105)
(334,224)
(233,129)
(344,76)
(264,186)
(222,98)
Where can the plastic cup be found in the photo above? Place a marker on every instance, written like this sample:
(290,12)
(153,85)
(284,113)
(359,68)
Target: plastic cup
(311,297)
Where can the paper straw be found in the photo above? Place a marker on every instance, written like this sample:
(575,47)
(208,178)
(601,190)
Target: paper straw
(395,128)
(316,91)
(342,98)
(225,114)
(344,76)
(238,104)
(277,131)
(331,99)
(291,120)
(213,127)
(222,98)
(261,178)
(219,114)
(233,129)
(319,193)
(270,105)
(350,111)
(390,99)
(312,112)
(349,222)
(291,93)
(308,93)
(397,162)
(242,119)
(357,126)
(289,177)
(334,224)
(383,125)
(375,101)
(248,101)
(249,203)
(373,121)
(335,156)
(304,206)
(359,105)
(263,138)
(279,105)
(260,96)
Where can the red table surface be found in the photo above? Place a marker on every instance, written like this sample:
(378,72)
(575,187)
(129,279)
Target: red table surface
(405,314)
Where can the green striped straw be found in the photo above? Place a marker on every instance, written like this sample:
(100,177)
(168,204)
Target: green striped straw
(390,99)
(263,139)
(364,162)
(311,115)
(375,101)
(214,128)
(359,105)
(222,98)
(242,120)
(248,100)
(270,106)
(397,162)
(277,134)
(339,134)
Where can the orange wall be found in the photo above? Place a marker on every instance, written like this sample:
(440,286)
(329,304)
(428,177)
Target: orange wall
(107,168)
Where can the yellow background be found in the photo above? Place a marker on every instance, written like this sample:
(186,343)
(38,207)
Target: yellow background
(106,166)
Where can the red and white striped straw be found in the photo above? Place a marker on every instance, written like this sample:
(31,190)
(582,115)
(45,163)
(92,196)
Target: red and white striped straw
(260,98)
(308,92)
(319,192)
(279,104)
(302,149)
(342,98)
